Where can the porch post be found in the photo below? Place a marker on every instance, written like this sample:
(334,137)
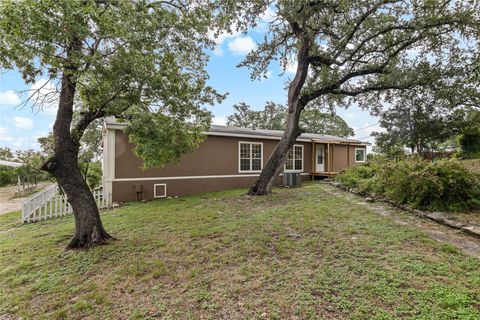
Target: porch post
(328,157)
(348,155)
(313,158)
(333,147)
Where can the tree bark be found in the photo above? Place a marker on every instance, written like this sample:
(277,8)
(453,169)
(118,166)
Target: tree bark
(63,165)
(263,185)
(89,230)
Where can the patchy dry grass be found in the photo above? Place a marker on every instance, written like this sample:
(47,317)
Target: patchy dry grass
(472,164)
(297,254)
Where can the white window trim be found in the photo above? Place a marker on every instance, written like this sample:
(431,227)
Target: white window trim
(303,156)
(364,154)
(261,159)
(155,190)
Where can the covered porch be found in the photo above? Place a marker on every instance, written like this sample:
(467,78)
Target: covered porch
(329,158)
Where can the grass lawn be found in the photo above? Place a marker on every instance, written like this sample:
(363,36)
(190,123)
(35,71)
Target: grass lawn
(298,254)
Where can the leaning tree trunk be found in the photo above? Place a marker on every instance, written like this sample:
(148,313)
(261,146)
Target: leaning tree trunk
(265,182)
(63,165)
(89,230)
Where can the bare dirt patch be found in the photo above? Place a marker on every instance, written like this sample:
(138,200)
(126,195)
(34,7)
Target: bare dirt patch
(7,201)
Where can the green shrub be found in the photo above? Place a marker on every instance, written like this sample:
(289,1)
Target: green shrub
(94,175)
(8,175)
(439,185)
(470,141)
(361,178)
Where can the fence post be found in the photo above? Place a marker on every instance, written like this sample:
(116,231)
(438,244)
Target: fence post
(44,207)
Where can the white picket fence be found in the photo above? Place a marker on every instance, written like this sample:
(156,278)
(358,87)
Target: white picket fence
(50,203)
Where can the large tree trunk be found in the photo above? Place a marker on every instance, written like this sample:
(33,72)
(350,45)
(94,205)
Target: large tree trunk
(89,230)
(63,165)
(263,185)
(265,182)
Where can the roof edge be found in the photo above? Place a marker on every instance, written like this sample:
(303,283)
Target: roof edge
(114,125)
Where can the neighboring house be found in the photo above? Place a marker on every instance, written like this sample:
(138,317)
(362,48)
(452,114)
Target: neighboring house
(230,157)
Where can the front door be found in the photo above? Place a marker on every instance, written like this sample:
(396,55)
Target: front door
(320,162)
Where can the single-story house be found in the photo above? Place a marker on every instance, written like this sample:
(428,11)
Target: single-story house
(229,157)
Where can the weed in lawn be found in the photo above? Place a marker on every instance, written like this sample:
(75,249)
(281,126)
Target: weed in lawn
(298,253)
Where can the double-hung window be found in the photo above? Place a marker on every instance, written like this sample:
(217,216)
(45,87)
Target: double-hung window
(251,159)
(359,155)
(295,159)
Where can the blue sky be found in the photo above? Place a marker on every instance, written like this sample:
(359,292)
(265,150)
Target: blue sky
(20,127)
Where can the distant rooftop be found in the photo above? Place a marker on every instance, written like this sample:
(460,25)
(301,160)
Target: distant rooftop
(260,133)
(10,163)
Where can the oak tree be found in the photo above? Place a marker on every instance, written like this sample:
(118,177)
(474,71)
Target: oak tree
(274,116)
(141,61)
(363,50)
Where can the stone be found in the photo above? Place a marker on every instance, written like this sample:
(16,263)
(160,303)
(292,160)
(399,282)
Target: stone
(419,213)
(335,183)
(435,216)
(453,224)
(370,199)
(473,230)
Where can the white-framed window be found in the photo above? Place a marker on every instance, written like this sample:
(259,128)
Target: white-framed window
(360,155)
(250,156)
(294,160)
(160,190)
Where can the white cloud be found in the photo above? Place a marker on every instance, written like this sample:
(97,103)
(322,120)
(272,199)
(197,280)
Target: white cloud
(9,98)
(5,135)
(364,132)
(218,51)
(268,15)
(221,38)
(242,45)
(220,121)
(41,134)
(13,142)
(264,19)
(22,123)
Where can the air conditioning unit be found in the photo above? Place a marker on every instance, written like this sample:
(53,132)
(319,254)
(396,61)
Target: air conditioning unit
(292,179)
